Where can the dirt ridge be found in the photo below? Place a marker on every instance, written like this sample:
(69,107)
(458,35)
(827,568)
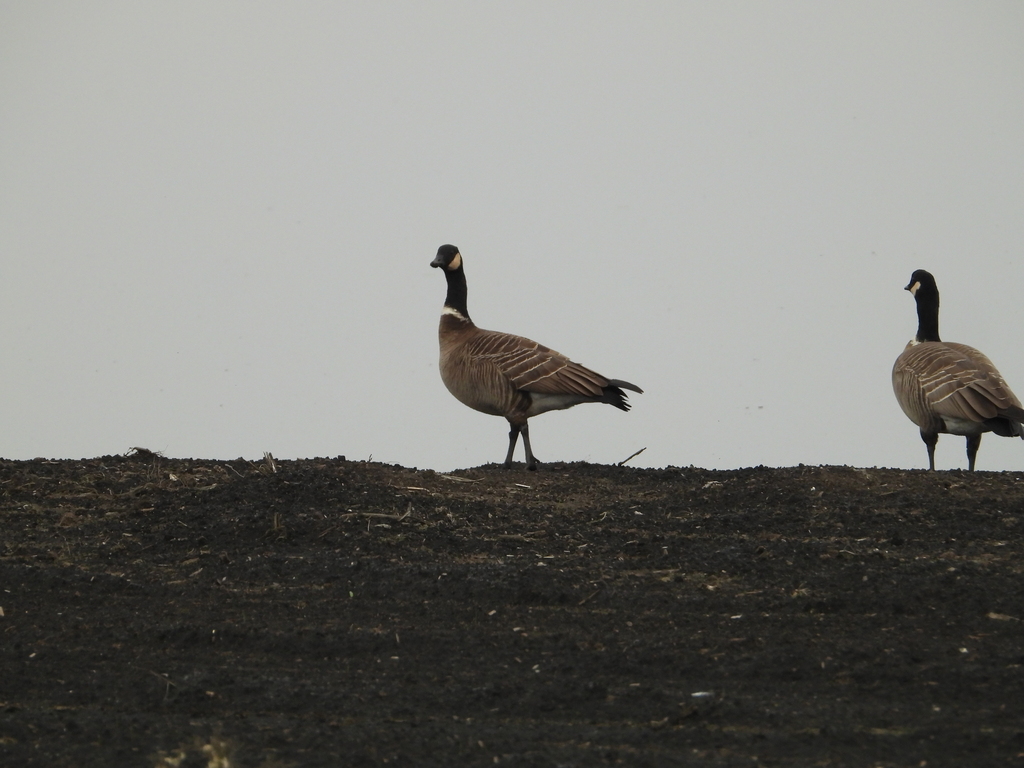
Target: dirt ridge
(162,612)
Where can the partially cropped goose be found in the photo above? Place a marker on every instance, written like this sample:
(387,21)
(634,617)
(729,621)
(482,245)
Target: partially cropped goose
(947,387)
(506,375)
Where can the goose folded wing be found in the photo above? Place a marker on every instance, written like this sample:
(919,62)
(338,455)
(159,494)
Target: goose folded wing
(957,385)
(532,367)
(994,384)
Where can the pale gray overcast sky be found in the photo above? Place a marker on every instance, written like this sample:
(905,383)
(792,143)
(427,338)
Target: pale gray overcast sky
(217,219)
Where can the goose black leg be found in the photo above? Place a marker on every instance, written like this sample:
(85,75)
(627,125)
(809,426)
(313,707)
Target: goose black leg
(930,439)
(973,444)
(513,436)
(531,460)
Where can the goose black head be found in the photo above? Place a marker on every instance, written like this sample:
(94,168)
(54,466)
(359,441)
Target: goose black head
(448,256)
(922,280)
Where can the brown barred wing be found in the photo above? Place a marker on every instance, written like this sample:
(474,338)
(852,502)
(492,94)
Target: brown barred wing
(532,367)
(937,379)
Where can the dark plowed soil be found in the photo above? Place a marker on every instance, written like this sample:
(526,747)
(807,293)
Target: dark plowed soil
(161,612)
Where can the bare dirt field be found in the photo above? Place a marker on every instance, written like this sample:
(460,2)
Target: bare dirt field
(322,612)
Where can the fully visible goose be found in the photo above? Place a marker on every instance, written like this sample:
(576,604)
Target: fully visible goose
(947,387)
(506,375)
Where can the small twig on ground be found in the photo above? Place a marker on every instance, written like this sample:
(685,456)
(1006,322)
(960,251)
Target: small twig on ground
(396,518)
(277,529)
(631,456)
(163,679)
(521,536)
(457,479)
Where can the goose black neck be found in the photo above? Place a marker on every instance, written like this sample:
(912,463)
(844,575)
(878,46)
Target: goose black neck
(927,315)
(456,298)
